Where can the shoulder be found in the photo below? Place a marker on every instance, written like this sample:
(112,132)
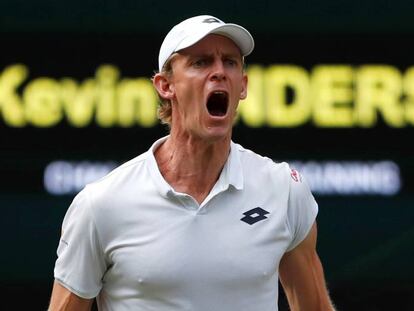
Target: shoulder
(124,169)
(257,164)
(120,182)
(120,175)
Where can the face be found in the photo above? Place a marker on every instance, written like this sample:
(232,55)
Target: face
(205,87)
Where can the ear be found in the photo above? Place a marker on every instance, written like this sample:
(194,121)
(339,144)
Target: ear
(243,92)
(163,86)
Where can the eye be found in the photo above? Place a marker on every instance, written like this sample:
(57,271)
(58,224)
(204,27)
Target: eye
(200,63)
(230,62)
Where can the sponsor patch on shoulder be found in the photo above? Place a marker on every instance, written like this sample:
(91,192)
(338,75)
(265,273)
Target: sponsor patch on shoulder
(295,175)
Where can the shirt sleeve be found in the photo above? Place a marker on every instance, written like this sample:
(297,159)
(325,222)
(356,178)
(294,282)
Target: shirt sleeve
(302,209)
(80,265)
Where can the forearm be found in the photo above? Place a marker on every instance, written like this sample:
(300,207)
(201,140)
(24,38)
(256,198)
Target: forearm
(64,300)
(311,301)
(302,277)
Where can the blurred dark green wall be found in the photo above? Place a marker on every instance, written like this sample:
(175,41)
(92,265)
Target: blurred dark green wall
(266,16)
(366,242)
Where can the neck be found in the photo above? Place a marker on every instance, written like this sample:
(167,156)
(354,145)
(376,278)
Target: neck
(192,165)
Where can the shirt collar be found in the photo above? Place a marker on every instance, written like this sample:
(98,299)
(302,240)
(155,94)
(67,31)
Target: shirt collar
(233,169)
(232,173)
(163,187)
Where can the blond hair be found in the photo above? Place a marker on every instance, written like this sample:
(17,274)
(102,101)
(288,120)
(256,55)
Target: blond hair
(164,111)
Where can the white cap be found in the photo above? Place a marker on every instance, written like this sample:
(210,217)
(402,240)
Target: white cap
(192,30)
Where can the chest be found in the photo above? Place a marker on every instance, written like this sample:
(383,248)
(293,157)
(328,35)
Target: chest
(171,245)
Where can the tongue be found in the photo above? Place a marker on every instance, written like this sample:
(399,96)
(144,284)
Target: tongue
(216,112)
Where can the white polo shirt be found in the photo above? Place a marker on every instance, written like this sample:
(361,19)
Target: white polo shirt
(137,244)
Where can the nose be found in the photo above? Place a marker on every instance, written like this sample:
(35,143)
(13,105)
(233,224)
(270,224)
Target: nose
(218,71)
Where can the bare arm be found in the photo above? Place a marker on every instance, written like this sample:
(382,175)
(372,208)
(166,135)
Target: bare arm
(64,300)
(302,277)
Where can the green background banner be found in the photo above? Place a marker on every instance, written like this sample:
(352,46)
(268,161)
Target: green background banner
(365,240)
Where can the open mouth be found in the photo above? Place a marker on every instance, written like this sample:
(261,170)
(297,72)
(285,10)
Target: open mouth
(217,104)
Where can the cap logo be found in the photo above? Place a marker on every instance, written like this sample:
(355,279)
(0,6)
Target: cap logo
(211,20)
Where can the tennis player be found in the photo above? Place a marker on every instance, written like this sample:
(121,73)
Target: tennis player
(197,222)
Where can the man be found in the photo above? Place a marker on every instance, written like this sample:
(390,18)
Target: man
(197,222)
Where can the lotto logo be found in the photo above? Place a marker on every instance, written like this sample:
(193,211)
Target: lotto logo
(254,215)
